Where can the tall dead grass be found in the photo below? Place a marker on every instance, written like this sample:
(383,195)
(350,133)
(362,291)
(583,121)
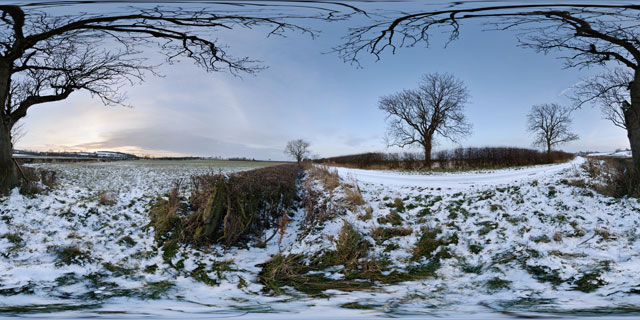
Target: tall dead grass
(612,177)
(36,180)
(227,208)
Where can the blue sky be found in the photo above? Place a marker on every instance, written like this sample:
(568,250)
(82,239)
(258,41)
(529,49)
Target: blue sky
(308,92)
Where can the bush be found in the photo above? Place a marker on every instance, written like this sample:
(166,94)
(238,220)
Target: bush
(34,180)
(226,208)
(459,158)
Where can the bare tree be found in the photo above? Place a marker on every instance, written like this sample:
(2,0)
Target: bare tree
(593,34)
(46,58)
(550,124)
(17,133)
(297,149)
(609,90)
(436,108)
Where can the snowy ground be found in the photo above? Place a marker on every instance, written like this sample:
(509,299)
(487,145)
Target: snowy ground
(526,243)
(619,154)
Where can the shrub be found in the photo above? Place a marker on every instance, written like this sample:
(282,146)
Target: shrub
(459,158)
(226,208)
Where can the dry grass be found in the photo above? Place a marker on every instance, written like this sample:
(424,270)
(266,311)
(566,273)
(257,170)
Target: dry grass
(107,198)
(35,179)
(367,215)
(381,234)
(329,178)
(317,209)
(226,208)
(353,196)
(361,270)
(613,177)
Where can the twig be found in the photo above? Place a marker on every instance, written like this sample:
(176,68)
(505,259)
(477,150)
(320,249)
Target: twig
(19,169)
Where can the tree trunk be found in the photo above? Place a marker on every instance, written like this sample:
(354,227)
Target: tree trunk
(632,118)
(8,172)
(427,153)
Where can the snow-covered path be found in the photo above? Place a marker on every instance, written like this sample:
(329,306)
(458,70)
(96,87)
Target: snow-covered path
(463,180)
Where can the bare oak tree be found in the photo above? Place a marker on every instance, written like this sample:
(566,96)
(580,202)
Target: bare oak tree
(609,90)
(592,33)
(46,58)
(550,124)
(436,108)
(297,149)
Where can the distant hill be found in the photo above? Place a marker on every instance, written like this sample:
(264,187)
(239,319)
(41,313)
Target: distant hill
(80,155)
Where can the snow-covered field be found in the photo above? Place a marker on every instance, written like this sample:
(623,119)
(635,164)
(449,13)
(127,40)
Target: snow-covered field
(525,242)
(619,154)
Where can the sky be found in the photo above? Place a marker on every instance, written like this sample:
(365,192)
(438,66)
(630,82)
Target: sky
(308,92)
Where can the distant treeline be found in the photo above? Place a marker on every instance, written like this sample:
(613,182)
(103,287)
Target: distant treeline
(459,158)
(71,154)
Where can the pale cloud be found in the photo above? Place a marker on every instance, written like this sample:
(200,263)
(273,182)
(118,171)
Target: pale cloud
(161,141)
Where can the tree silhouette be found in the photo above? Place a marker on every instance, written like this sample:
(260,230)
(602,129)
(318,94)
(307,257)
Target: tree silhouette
(550,124)
(436,108)
(298,149)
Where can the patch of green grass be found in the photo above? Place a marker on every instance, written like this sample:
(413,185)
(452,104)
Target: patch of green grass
(544,274)
(351,247)
(26,289)
(496,283)
(151,269)
(487,226)
(391,246)
(127,241)
(475,248)
(156,290)
(201,274)
(361,271)
(468,268)
(541,239)
(71,255)
(589,282)
(432,247)
(281,271)
(170,250)
(392,218)
(381,234)
(398,204)
(13,238)
(423,212)
(552,192)
(360,306)
(505,257)
(48,308)
(117,270)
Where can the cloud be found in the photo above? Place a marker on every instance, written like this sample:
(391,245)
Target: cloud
(169,141)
